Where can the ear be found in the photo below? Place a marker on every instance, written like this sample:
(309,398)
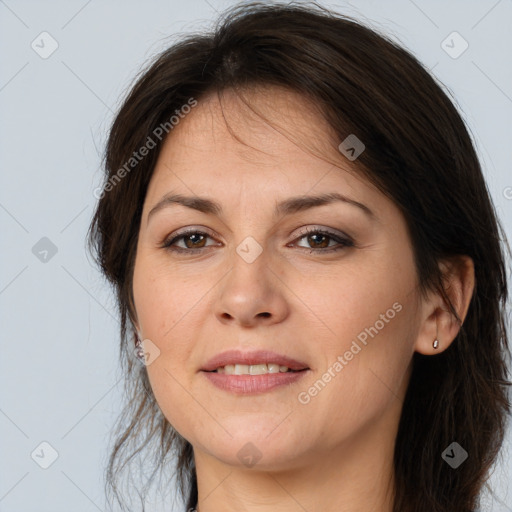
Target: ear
(438,322)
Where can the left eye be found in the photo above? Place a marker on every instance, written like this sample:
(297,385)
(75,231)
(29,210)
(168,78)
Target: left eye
(321,239)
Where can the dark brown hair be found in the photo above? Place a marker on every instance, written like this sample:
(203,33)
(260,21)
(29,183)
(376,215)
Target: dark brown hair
(418,153)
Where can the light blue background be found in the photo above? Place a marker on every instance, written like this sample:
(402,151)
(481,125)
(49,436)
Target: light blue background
(60,380)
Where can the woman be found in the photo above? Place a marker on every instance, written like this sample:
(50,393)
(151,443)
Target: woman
(308,265)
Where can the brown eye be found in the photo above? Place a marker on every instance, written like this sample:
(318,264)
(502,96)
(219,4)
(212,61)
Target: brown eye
(320,241)
(190,241)
(193,241)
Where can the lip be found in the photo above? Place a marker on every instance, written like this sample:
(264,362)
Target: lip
(252,357)
(253,384)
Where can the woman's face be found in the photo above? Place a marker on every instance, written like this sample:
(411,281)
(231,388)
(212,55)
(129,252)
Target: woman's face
(253,278)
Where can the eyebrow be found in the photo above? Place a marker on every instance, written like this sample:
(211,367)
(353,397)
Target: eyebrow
(286,207)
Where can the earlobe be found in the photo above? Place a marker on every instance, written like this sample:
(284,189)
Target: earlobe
(440,326)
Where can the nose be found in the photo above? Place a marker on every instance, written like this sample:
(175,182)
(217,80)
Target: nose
(252,294)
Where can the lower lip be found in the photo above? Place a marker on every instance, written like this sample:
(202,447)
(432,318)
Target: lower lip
(251,384)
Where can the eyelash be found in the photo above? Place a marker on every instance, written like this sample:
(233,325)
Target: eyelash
(344,241)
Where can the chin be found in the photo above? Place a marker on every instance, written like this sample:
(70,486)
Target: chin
(255,457)
(255,444)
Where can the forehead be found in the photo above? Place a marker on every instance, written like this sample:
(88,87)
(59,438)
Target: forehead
(259,124)
(261,144)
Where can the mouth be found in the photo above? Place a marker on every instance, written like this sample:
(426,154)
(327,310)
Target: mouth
(256,362)
(254,372)
(254,369)
(253,384)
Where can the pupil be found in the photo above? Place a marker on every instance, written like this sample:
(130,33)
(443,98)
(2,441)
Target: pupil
(318,235)
(190,237)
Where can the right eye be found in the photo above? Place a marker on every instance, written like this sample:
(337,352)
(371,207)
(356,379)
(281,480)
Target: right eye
(192,239)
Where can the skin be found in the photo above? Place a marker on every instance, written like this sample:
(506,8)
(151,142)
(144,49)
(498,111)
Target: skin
(334,452)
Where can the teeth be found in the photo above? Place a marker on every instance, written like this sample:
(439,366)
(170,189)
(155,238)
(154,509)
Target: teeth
(252,369)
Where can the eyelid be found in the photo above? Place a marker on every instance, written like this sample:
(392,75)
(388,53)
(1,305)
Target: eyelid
(345,240)
(310,228)
(314,228)
(184,232)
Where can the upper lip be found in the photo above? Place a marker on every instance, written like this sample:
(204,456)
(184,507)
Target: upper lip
(252,357)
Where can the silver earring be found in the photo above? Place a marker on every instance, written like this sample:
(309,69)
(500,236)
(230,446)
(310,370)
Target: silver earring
(436,341)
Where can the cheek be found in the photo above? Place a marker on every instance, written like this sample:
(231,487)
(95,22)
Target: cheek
(361,379)
(167,316)
(364,328)
(353,299)
(165,300)
(167,308)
